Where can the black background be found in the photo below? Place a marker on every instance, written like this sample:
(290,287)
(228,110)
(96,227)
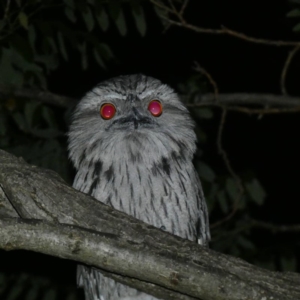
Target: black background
(269,146)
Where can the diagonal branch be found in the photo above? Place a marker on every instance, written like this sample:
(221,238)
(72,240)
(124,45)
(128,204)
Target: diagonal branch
(222,31)
(136,253)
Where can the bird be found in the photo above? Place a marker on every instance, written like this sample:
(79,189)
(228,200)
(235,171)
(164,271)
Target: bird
(132,142)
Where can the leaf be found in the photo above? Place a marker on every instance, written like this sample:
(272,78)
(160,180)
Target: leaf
(20,121)
(32,36)
(49,133)
(98,58)
(70,3)
(49,117)
(114,9)
(22,46)
(289,264)
(8,74)
(84,58)
(2,24)
(3,129)
(204,113)
(62,45)
(162,15)
(293,13)
(23,19)
(88,18)
(256,191)
(205,171)
(32,293)
(245,243)
(50,294)
(69,12)
(232,189)
(106,51)
(139,17)
(222,200)
(102,19)
(29,110)
(118,16)
(295,1)
(296,28)
(52,44)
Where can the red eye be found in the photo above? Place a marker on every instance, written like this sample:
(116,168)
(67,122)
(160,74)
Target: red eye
(155,108)
(107,111)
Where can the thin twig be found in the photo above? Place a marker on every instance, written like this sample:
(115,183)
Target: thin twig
(183,7)
(223,30)
(231,171)
(5,17)
(264,111)
(285,68)
(275,227)
(250,111)
(200,69)
(221,150)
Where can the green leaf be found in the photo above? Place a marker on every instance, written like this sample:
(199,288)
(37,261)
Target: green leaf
(49,133)
(162,15)
(88,18)
(295,1)
(84,58)
(205,172)
(8,74)
(70,3)
(22,46)
(296,28)
(232,189)
(70,14)
(256,191)
(20,121)
(29,110)
(117,14)
(204,113)
(62,45)
(222,200)
(2,24)
(23,19)
(293,13)
(105,51)
(97,55)
(33,293)
(3,129)
(49,117)
(139,17)
(32,36)
(114,9)
(245,243)
(50,294)
(102,19)
(289,264)
(52,44)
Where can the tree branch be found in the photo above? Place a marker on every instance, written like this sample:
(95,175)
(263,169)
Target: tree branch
(231,101)
(135,253)
(37,95)
(222,31)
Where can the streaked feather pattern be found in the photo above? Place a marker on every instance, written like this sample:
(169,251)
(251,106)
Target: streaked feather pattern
(146,172)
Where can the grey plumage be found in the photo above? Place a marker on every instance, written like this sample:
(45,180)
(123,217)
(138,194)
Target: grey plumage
(139,164)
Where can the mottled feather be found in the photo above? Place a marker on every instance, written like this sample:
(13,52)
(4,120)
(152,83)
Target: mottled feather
(139,164)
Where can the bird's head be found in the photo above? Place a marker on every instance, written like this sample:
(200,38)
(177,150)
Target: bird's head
(132,116)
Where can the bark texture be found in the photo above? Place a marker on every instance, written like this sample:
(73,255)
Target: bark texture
(39,212)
